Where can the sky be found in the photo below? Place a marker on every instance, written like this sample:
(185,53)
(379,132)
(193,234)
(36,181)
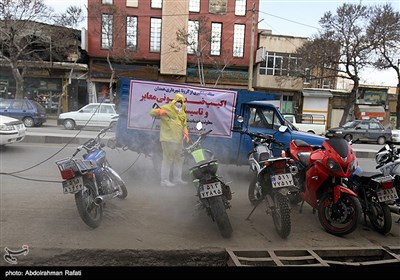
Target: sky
(289,17)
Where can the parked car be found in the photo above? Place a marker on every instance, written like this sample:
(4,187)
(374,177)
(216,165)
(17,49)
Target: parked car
(362,130)
(396,135)
(92,115)
(30,112)
(11,130)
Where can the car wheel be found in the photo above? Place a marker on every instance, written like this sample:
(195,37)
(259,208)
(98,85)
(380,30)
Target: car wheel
(381,140)
(348,137)
(28,122)
(69,124)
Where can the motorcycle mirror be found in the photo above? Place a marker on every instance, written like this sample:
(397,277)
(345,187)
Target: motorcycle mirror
(199,126)
(239,119)
(283,128)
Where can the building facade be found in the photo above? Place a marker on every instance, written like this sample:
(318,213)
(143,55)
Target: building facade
(199,42)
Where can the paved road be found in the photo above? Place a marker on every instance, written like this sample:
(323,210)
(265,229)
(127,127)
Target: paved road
(153,226)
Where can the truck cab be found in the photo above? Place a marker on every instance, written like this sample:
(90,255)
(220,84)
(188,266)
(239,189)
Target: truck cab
(258,116)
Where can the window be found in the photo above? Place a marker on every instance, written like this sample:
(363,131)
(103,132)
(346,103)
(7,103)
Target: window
(264,118)
(240,7)
(193,38)
(131,33)
(217,6)
(107,2)
(106,31)
(238,40)
(155,35)
(194,5)
(132,3)
(216,29)
(279,64)
(156,4)
(375,126)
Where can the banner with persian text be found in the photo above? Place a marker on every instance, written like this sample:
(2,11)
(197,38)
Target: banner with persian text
(215,108)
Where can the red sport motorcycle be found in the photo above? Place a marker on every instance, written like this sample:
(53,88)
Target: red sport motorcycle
(321,171)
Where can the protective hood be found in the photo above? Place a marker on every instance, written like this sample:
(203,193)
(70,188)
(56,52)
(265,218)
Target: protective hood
(179,97)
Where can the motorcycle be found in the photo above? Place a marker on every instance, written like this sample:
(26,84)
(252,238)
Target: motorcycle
(213,193)
(371,189)
(91,180)
(321,171)
(388,162)
(272,180)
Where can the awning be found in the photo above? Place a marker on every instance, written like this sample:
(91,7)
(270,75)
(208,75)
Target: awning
(317,93)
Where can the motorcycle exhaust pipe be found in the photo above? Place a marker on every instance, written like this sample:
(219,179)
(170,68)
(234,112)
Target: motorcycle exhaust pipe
(100,199)
(394,209)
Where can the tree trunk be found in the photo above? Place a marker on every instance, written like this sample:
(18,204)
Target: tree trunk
(398,104)
(111,78)
(19,81)
(351,101)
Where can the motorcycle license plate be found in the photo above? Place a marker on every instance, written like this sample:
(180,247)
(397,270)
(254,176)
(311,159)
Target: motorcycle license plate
(210,190)
(74,185)
(387,194)
(282,180)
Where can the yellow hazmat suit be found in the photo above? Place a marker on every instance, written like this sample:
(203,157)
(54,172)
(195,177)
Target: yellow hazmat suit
(173,129)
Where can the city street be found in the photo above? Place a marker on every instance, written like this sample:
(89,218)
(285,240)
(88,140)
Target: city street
(151,221)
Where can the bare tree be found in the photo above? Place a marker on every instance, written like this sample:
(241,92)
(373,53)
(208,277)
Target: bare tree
(198,41)
(341,49)
(112,22)
(25,38)
(384,32)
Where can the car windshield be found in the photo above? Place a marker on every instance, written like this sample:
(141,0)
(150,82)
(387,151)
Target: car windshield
(350,124)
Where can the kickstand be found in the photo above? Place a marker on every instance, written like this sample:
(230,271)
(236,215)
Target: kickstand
(254,208)
(301,206)
(398,221)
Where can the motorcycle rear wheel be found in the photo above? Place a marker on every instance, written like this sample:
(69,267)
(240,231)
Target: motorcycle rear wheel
(380,217)
(218,211)
(341,218)
(281,215)
(90,213)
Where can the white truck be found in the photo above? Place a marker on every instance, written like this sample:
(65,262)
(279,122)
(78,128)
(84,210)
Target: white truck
(311,123)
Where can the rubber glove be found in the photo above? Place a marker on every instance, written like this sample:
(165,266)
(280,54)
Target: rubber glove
(161,112)
(186,135)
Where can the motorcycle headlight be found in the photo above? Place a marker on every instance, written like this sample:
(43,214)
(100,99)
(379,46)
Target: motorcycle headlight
(333,166)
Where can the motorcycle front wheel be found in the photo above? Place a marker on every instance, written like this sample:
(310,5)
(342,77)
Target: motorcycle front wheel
(339,218)
(90,213)
(281,215)
(380,217)
(218,212)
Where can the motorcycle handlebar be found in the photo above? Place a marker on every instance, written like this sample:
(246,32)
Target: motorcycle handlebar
(198,140)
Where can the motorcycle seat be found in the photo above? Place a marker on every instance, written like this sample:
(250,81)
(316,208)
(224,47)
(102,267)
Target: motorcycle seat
(301,143)
(304,157)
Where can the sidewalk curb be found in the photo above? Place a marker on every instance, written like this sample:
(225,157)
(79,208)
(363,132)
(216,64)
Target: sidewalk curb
(52,139)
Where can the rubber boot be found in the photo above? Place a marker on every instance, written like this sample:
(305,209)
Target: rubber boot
(178,174)
(165,182)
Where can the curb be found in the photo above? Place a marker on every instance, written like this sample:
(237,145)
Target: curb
(53,139)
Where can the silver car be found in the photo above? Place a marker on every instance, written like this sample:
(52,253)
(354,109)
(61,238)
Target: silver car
(91,115)
(11,130)
(363,131)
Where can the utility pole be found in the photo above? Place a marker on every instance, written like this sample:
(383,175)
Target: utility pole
(251,62)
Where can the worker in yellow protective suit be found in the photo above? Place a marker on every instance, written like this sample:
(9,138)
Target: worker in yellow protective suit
(173,130)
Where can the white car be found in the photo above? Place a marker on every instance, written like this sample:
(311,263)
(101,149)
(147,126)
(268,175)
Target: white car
(91,115)
(11,130)
(396,135)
